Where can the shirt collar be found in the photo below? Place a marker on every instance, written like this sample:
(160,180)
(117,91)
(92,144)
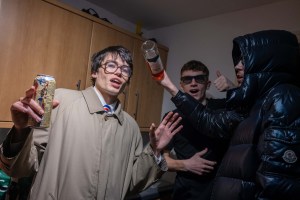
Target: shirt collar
(95,106)
(112,106)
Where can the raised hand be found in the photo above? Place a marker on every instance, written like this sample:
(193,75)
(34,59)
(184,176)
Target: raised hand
(162,135)
(26,106)
(222,83)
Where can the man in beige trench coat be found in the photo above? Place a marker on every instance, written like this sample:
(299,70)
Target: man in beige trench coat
(86,153)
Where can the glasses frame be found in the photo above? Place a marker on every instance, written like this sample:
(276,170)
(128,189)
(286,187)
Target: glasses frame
(121,67)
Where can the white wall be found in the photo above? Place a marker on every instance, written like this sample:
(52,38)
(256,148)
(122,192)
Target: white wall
(210,40)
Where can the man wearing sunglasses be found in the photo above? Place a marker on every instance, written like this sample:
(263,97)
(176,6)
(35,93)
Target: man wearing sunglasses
(197,155)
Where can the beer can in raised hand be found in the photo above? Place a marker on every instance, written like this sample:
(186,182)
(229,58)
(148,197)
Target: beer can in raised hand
(45,86)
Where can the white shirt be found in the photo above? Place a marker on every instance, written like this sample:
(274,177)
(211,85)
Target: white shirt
(112,106)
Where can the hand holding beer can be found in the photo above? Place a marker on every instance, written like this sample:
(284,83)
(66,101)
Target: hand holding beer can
(44,92)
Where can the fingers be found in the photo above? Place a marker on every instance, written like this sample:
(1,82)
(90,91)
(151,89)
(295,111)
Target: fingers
(199,165)
(171,120)
(30,92)
(202,153)
(32,104)
(20,107)
(221,83)
(205,161)
(31,108)
(167,118)
(173,124)
(174,119)
(28,100)
(152,127)
(25,107)
(55,103)
(177,130)
(152,130)
(207,164)
(218,73)
(203,169)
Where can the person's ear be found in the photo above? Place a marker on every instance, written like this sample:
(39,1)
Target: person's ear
(94,74)
(208,84)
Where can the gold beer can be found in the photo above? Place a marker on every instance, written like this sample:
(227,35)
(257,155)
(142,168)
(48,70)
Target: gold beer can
(44,92)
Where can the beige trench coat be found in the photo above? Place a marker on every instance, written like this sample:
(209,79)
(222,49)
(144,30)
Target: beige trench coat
(89,154)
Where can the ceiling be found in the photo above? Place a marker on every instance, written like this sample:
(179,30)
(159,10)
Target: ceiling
(157,14)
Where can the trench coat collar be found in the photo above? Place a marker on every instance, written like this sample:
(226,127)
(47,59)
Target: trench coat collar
(94,105)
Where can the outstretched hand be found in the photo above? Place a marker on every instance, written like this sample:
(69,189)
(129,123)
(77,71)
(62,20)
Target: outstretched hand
(162,135)
(25,107)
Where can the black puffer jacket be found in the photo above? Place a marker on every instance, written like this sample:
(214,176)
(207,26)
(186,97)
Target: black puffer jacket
(263,160)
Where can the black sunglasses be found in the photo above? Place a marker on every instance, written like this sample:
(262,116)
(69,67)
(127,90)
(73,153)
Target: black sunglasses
(199,79)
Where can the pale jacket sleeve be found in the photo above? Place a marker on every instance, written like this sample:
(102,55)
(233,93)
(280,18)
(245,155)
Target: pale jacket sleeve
(25,163)
(146,171)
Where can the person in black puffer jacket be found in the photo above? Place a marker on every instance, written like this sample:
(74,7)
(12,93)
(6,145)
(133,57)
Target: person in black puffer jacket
(262,118)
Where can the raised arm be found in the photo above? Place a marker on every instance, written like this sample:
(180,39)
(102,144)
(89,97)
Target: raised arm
(216,124)
(21,138)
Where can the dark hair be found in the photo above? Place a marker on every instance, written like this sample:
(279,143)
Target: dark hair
(195,65)
(115,51)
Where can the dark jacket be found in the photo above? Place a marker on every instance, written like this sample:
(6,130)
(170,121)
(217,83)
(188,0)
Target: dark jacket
(262,161)
(188,185)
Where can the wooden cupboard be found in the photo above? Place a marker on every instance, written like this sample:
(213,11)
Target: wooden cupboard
(39,37)
(48,37)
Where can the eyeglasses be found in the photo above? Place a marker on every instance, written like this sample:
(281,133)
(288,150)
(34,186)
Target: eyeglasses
(111,67)
(199,79)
